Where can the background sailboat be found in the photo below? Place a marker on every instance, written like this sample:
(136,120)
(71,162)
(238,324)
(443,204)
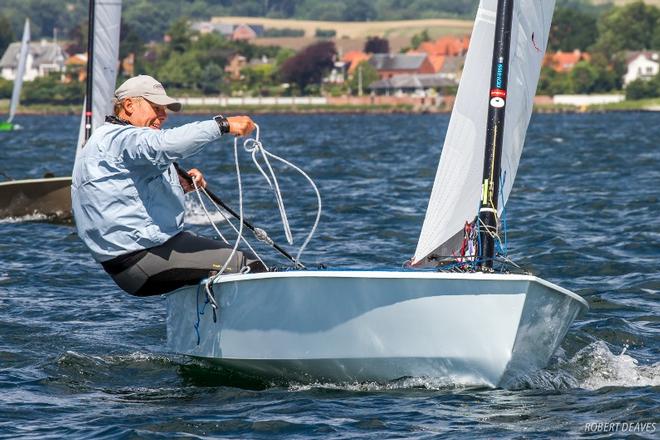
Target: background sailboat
(52,196)
(474,327)
(18,79)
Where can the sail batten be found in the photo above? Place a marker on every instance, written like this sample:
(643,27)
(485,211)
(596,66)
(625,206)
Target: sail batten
(456,191)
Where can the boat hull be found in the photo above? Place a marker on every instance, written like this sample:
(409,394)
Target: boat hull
(472,329)
(48,196)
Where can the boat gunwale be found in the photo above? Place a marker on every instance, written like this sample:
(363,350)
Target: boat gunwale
(393,274)
(28,181)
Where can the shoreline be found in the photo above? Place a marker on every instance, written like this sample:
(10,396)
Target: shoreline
(652,105)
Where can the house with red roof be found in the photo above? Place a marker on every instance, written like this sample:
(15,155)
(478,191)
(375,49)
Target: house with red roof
(389,65)
(565,61)
(353,59)
(448,45)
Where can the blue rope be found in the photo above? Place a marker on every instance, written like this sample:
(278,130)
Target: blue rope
(199,313)
(502,247)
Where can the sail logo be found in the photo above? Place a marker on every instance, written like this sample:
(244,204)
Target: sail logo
(497,98)
(500,74)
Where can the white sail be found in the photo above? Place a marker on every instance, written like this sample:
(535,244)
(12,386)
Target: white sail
(106,58)
(457,188)
(107,20)
(20,71)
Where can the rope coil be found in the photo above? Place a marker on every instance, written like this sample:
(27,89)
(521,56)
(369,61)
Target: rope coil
(255,147)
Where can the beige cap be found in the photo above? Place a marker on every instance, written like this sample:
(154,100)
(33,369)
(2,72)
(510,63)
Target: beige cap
(148,88)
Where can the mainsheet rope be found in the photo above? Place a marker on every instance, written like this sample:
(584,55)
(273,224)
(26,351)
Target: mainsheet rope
(254,147)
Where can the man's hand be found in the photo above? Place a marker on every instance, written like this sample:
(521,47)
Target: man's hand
(197,176)
(240,125)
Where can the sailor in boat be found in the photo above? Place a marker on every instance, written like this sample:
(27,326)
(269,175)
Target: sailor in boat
(128,193)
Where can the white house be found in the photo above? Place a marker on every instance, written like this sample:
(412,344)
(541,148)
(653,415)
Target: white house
(44,57)
(644,65)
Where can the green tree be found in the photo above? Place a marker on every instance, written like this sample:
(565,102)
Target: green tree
(259,77)
(308,66)
(631,27)
(6,88)
(418,39)
(211,79)
(328,10)
(554,83)
(50,90)
(6,34)
(369,75)
(360,10)
(180,35)
(181,71)
(583,77)
(642,89)
(572,29)
(377,45)
(609,73)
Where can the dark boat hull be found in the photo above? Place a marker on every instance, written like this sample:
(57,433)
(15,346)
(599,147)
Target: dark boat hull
(48,196)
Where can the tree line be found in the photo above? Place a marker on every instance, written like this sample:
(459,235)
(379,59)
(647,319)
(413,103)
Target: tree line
(153,17)
(609,39)
(194,64)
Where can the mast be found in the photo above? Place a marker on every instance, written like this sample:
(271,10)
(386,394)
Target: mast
(90,71)
(494,134)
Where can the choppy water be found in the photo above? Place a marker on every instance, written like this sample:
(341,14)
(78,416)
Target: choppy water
(79,358)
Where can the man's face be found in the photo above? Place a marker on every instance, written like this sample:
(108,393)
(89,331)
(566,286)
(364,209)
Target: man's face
(143,113)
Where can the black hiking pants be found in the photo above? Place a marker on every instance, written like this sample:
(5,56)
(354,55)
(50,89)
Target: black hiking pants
(184,259)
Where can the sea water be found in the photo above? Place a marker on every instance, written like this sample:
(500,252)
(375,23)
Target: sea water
(79,358)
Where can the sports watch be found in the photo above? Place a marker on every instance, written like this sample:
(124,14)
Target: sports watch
(223,123)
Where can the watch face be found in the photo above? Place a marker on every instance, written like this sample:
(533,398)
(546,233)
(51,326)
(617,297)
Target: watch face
(223,123)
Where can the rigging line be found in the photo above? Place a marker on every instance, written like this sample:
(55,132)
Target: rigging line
(252,145)
(318,199)
(208,216)
(247,243)
(257,231)
(211,279)
(240,209)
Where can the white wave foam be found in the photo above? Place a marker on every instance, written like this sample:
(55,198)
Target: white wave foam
(25,218)
(592,368)
(195,214)
(597,367)
(426,383)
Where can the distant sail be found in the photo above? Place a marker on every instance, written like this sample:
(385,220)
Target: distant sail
(457,188)
(107,21)
(20,71)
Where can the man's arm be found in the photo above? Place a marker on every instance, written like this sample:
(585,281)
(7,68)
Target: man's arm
(162,147)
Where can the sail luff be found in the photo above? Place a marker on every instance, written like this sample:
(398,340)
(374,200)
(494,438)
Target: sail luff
(103,65)
(456,190)
(499,79)
(106,58)
(20,71)
(89,95)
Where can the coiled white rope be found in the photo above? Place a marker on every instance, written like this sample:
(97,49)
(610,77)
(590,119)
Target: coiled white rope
(254,146)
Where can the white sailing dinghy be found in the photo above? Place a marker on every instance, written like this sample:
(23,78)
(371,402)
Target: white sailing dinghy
(473,327)
(51,196)
(8,125)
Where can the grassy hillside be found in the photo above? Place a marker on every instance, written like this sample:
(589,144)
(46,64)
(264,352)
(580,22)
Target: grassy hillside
(352,29)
